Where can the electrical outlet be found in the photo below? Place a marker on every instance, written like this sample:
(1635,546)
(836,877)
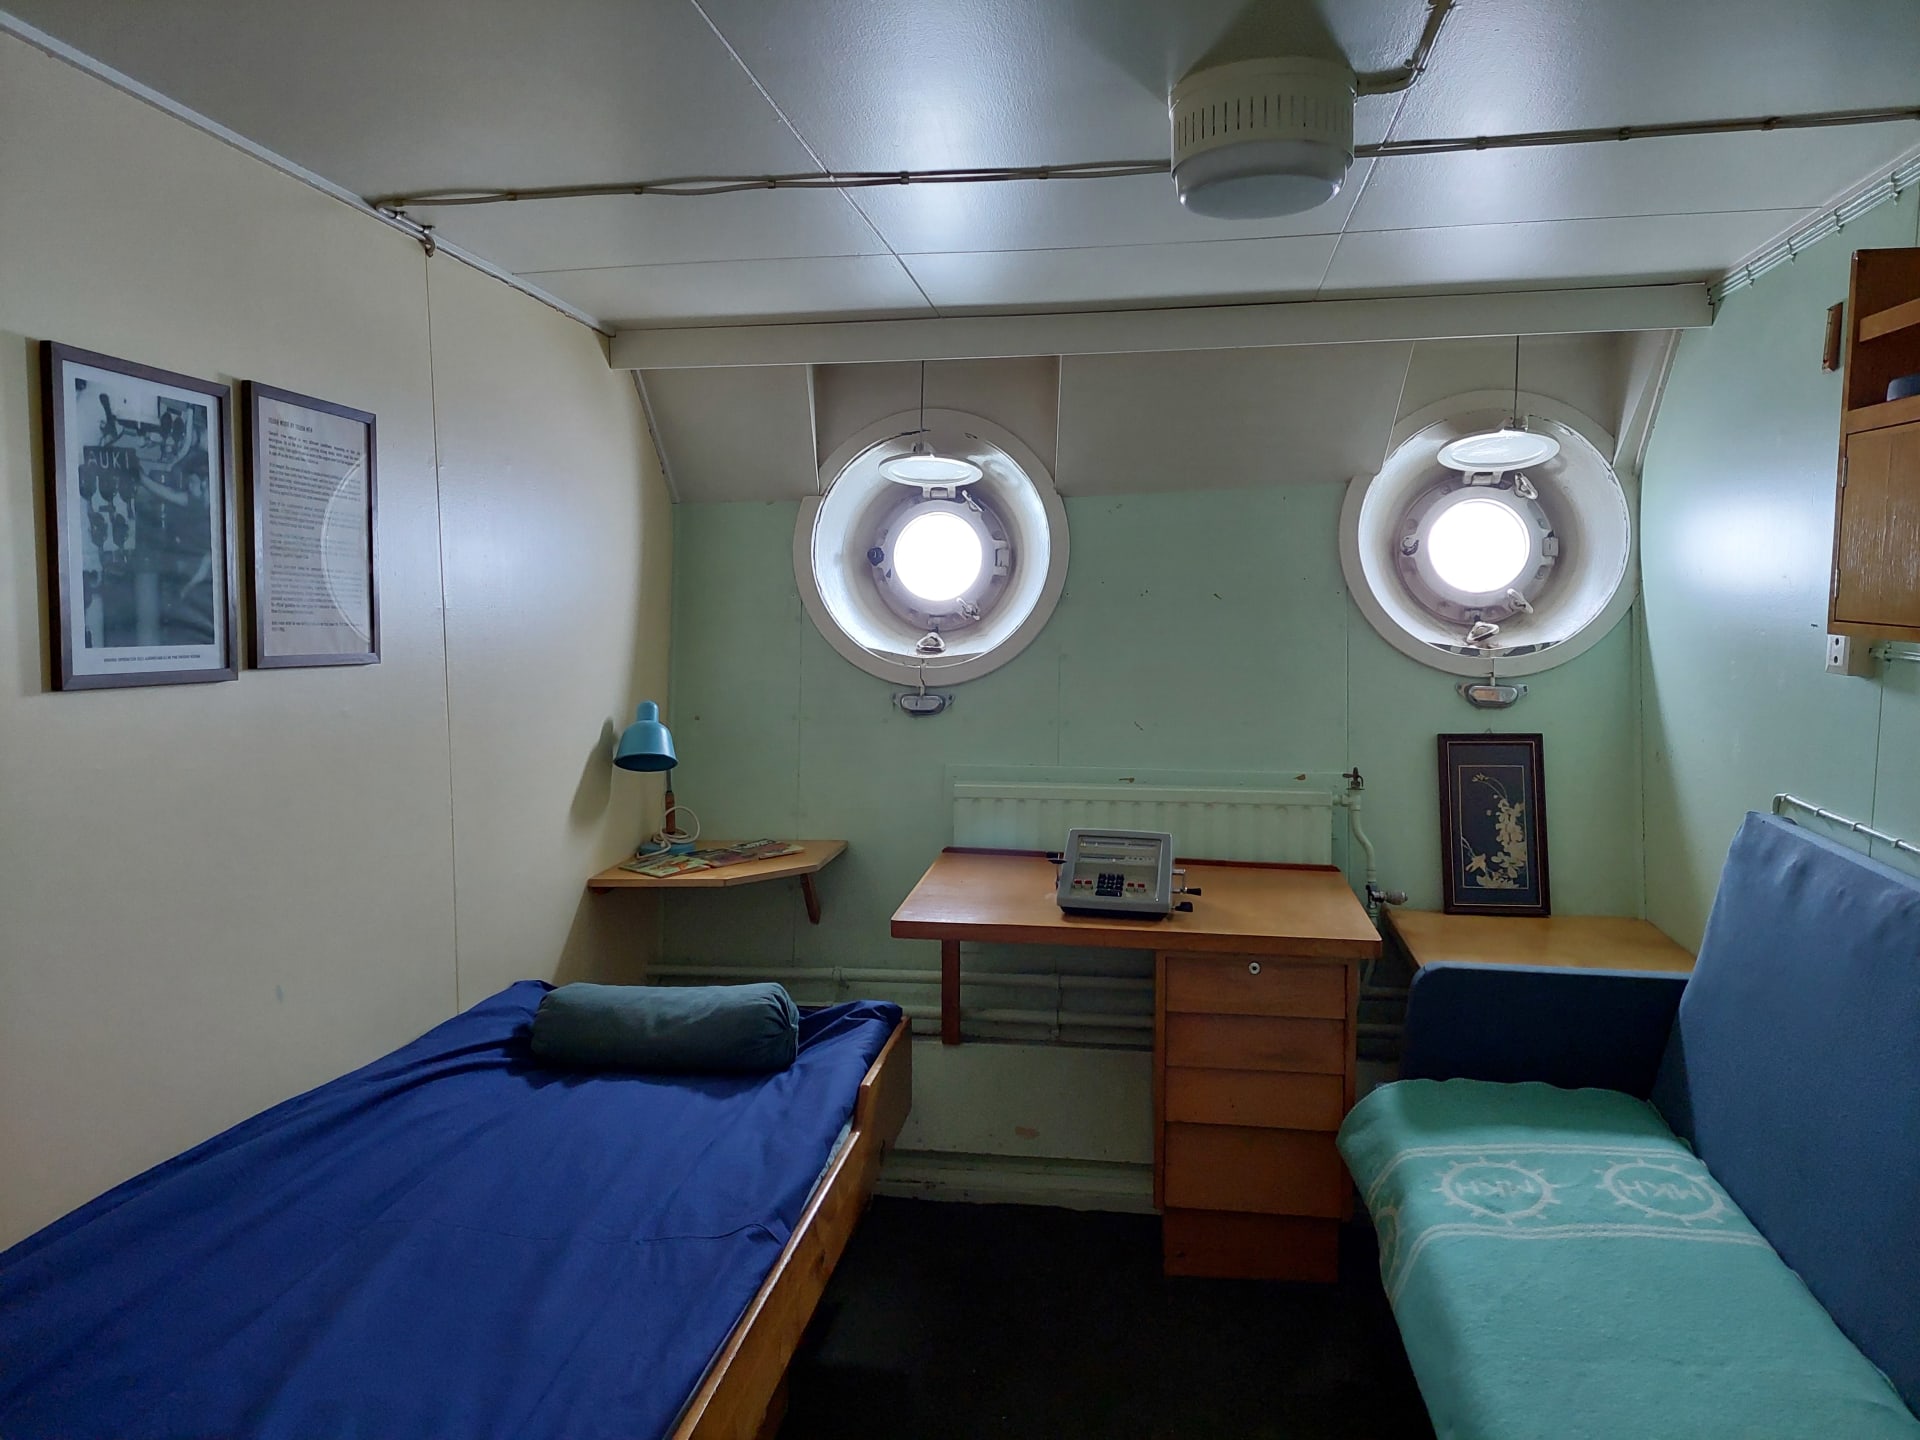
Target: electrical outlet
(1845,656)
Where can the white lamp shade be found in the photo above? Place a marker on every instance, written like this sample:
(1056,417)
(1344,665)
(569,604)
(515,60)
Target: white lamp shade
(1498,450)
(1259,138)
(1260,178)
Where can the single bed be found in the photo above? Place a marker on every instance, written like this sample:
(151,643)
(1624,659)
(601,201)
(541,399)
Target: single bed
(455,1241)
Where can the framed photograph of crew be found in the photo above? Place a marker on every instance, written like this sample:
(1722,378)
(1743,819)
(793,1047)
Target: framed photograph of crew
(310,483)
(140,505)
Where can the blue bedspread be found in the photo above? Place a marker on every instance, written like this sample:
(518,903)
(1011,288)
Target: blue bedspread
(451,1242)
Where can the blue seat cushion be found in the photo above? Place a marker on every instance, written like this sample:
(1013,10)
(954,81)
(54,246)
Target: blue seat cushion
(1793,1070)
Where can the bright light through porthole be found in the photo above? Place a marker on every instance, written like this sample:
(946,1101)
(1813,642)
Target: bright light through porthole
(1479,546)
(938,556)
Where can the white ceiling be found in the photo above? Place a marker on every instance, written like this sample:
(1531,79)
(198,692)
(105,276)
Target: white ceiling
(385,97)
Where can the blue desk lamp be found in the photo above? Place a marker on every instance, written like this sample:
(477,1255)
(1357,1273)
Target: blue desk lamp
(647,744)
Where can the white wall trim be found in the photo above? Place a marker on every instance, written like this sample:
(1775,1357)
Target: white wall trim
(127,85)
(1206,327)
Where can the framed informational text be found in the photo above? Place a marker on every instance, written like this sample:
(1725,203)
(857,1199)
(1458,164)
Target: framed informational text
(140,510)
(310,471)
(1493,825)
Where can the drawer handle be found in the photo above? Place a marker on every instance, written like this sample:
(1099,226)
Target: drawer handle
(1253,967)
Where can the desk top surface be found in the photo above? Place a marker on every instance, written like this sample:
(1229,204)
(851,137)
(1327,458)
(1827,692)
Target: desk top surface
(1579,942)
(1243,909)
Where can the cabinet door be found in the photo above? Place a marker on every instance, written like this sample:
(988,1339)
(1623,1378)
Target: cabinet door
(1876,550)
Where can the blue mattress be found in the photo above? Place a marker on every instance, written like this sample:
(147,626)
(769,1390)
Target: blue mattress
(451,1242)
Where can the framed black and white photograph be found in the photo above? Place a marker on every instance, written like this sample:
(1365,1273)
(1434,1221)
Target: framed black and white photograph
(140,506)
(1493,825)
(310,480)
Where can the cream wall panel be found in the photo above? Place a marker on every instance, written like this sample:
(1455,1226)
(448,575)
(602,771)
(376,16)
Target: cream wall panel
(211,896)
(557,545)
(215,896)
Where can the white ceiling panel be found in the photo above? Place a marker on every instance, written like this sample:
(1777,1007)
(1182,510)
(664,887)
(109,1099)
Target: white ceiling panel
(1654,247)
(739,434)
(1691,175)
(605,230)
(1555,64)
(1072,214)
(1122,274)
(1014,82)
(426,94)
(740,291)
(384,98)
(1225,419)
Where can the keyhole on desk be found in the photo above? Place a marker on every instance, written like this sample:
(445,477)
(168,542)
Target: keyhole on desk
(1253,967)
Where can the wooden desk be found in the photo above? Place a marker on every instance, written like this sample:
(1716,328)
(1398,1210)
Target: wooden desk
(813,856)
(1582,942)
(1256,991)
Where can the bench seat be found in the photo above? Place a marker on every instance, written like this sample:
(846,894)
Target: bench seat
(1561,1265)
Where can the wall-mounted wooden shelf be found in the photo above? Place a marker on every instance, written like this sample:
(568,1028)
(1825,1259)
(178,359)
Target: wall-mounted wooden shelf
(1885,322)
(813,856)
(1875,593)
(1878,417)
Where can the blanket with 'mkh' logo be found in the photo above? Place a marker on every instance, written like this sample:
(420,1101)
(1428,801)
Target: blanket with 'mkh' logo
(1560,1264)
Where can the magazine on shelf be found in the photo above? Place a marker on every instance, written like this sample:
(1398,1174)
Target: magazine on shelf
(714,857)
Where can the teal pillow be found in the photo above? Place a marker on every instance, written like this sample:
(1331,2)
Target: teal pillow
(702,1029)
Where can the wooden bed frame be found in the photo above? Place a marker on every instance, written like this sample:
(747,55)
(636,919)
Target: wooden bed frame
(743,1394)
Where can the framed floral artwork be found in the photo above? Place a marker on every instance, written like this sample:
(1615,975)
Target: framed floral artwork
(1493,825)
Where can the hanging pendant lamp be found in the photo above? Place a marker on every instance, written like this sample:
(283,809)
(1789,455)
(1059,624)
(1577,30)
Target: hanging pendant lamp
(924,466)
(1511,447)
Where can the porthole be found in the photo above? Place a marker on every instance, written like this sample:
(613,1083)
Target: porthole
(1468,570)
(936,550)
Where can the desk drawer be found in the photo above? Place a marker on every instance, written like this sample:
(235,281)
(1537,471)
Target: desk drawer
(1273,1172)
(1268,1099)
(1257,1042)
(1246,985)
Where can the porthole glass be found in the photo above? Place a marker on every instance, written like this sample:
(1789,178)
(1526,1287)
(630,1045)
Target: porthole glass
(929,583)
(1479,546)
(938,556)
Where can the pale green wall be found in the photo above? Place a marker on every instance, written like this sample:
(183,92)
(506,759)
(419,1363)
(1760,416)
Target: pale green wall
(1737,529)
(1199,631)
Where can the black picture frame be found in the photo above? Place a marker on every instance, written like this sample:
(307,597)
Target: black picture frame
(1493,825)
(301,626)
(142,550)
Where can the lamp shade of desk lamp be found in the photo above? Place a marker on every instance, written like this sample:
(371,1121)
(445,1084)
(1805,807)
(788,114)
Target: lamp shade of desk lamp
(646,744)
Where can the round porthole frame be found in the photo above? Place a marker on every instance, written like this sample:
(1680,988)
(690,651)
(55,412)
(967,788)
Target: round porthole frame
(841,529)
(1605,527)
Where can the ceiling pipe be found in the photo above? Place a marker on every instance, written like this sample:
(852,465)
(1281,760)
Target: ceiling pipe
(1392,82)
(696,185)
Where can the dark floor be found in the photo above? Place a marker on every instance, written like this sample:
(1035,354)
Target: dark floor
(1010,1320)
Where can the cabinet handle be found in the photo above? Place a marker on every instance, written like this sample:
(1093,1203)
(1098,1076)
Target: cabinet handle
(1253,967)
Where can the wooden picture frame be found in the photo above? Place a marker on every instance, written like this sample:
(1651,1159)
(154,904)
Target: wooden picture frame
(141,541)
(313,582)
(1493,825)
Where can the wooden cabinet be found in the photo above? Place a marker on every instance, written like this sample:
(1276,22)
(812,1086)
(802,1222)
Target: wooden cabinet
(1876,533)
(1253,1072)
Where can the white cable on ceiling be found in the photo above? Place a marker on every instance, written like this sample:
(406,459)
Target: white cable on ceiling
(699,185)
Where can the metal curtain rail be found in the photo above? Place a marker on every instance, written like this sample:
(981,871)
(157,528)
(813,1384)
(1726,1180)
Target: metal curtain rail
(1783,801)
(1830,221)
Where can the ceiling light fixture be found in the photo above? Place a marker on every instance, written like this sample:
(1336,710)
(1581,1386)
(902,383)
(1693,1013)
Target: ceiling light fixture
(1260,138)
(1511,447)
(923,466)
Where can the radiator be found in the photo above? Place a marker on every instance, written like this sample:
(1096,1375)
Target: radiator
(1283,825)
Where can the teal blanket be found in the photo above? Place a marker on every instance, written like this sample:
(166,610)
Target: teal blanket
(1561,1266)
